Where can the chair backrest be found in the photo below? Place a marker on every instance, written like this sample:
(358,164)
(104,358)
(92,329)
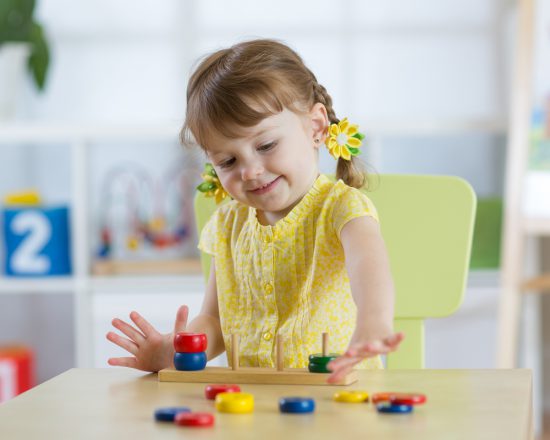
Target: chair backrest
(427,223)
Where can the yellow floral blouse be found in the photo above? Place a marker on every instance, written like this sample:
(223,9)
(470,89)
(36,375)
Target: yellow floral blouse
(289,278)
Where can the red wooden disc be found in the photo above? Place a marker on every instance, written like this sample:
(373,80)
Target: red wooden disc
(399,398)
(407,399)
(190,342)
(194,419)
(211,391)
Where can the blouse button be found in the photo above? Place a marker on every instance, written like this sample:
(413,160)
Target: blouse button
(268,239)
(268,288)
(267,336)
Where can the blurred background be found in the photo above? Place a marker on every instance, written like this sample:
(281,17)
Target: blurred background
(92,95)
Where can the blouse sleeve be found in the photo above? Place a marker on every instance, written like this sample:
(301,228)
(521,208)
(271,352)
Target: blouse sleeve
(352,204)
(207,241)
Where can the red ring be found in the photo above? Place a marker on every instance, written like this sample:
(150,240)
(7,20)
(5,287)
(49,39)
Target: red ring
(190,342)
(194,419)
(211,391)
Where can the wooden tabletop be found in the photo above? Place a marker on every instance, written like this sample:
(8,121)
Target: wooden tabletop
(119,404)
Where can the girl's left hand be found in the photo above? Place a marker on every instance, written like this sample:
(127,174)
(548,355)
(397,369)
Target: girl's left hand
(358,351)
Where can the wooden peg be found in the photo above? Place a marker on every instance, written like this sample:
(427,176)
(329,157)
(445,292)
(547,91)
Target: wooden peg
(234,351)
(325,344)
(280,353)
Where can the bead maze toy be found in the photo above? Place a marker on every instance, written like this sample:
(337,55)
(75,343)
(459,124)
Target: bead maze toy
(257,375)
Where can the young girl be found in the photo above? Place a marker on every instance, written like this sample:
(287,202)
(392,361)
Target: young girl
(293,253)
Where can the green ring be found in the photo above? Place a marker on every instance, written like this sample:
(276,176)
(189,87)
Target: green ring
(320,359)
(318,368)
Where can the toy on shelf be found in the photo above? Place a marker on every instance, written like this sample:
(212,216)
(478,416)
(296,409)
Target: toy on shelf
(257,375)
(146,222)
(36,238)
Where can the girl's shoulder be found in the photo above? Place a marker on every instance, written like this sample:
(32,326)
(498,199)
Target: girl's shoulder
(230,212)
(344,200)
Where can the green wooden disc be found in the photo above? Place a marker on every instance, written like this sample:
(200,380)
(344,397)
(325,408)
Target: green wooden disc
(320,359)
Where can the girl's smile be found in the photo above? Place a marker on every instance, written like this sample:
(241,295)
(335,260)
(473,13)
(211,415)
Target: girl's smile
(266,188)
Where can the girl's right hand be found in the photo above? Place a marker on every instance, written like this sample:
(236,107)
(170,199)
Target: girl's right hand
(151,350)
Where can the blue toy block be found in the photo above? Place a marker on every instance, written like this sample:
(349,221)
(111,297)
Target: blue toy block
(37,241)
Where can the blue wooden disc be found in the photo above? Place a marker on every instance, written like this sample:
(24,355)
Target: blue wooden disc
(388,408)
(296,405)
(190,361)
(168,414)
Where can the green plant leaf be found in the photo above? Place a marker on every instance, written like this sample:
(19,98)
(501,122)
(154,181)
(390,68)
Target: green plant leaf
(40,56)
(16,20)
(206,186)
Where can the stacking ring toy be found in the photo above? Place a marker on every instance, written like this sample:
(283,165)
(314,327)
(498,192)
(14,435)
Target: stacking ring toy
(211,391)
(318,362)
(296,405)
(389,408)
(351,396)
(235,403)
(168,414)
(190,342)
(190,361)
(198,420)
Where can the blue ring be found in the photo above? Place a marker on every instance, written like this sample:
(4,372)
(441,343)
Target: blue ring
(296,405)
(389,408)
(190,361)
(168,414)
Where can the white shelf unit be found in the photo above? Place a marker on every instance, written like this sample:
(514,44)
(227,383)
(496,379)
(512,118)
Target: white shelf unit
(82,285)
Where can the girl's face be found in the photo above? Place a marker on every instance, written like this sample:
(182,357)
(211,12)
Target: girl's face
(274,164)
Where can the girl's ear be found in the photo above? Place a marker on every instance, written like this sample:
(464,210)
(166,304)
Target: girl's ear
(319,123)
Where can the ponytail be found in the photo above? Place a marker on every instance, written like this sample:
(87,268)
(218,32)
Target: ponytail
(350,171)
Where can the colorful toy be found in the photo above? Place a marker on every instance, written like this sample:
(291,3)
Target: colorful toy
(37,241)
(389,408)
(211,391)
(142,216)
(185,342)
(318,362)
(237,374)
(296,405)
(235,403)
(399,398)
(190,361)
(196,420)
(168,414)
(351,396)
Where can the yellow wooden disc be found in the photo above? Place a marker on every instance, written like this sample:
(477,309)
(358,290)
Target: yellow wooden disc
(351,396)
(236,403)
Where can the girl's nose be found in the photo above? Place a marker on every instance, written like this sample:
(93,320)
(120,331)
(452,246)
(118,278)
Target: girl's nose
(252,170)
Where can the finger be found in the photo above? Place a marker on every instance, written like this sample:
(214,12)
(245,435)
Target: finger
(343,362)
(130,362)
(181,319)
(339,374)
(395,339)
(128,330)
(146,328)
(126,344)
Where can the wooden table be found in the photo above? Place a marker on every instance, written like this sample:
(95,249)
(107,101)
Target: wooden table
(119,404)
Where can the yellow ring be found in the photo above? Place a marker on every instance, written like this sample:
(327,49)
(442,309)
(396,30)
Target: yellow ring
(235,403)
(351,396)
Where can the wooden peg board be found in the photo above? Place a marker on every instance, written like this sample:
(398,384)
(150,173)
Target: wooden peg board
(250,375)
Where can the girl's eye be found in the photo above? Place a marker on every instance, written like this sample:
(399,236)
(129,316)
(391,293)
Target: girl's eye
(267,147)
(227,163)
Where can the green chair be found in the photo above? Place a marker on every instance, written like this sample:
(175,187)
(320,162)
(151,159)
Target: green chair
(427,223)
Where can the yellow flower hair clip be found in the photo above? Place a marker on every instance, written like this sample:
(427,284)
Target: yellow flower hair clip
(212,187)
(343,139)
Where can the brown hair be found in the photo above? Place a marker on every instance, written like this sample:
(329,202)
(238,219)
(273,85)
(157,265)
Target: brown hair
(242,85)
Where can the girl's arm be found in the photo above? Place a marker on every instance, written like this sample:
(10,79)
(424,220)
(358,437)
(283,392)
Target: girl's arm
(208,320)
(372,289)
(153,351)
